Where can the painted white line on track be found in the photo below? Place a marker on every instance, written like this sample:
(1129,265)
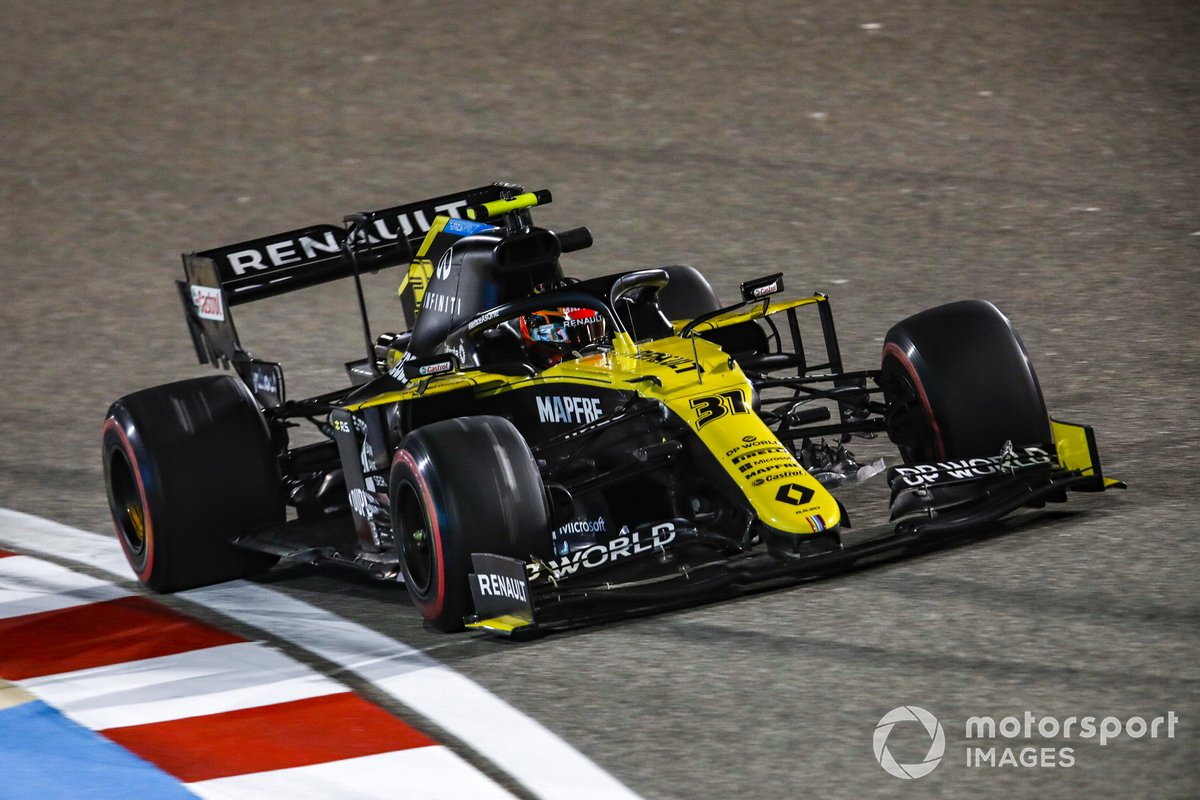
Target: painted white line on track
(30,586)
(435,773)
(517,744)
(195,683)
(237,719)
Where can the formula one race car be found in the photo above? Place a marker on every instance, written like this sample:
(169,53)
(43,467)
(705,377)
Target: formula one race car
(539,450)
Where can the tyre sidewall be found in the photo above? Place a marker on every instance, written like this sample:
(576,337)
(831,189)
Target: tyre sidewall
(117,445)
(688,294)
(480,492)
(973,378)
(204,469)
(406,472)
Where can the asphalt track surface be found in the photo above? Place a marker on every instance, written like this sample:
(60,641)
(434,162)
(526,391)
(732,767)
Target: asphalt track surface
(1041,155)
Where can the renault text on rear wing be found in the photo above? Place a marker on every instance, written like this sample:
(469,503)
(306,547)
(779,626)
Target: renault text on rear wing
(219,278)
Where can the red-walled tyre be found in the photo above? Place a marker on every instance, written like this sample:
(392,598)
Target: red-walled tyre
(959,384)
(189,466)
(463,486)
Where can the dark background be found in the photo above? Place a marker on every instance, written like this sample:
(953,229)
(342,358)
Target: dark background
(1042,155)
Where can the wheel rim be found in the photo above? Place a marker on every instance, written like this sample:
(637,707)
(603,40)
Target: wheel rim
(416,540)
(137,524)
(128,511)
(907,425)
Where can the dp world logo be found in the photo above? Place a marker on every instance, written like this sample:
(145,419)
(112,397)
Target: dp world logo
(937,742)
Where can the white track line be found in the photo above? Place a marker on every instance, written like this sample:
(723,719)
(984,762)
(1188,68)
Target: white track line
(31,586)
(517,744)
(196,683)
(433,773)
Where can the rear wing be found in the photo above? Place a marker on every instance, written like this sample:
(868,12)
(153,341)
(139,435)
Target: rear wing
(216,280)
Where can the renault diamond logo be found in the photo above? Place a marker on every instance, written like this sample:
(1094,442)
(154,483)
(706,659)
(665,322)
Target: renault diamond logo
(794,494)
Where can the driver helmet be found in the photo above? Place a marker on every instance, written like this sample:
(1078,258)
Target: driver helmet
(557,333)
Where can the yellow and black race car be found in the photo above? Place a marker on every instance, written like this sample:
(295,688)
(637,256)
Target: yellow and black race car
(538,450)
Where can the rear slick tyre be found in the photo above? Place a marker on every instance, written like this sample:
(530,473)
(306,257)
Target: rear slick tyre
(959,384)
(688,294)
(189,467)
(457,487)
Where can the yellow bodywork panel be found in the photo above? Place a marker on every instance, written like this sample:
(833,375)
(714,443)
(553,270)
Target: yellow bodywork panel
(428,387)
(715,403)
(421,268)
(757,311)
(497,207)
(1076,447)
(504,624)
(699,382)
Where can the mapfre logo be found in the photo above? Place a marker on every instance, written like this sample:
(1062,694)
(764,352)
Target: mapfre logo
(933,728)
(208,303)
(574,410)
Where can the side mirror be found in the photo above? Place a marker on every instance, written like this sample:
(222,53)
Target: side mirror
(426,367)
(759,288)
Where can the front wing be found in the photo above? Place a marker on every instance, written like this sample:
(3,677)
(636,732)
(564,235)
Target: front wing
(954,501)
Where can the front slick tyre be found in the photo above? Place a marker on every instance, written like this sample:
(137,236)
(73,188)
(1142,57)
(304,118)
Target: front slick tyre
(463,486)
(959,384)
(189,467)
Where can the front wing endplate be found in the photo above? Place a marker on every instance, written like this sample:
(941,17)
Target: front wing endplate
(500,590)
